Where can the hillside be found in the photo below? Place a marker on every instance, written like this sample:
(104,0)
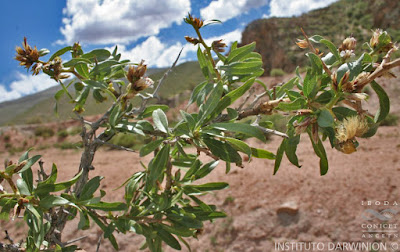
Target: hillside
(39,107)
(276,37)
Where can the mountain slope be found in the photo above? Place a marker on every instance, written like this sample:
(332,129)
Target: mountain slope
(39,107)
(276,37)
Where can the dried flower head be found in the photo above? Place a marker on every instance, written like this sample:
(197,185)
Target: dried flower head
(135,74)
(350,128)
(218,46)
(192,40)
(346,54)
(302,43)
(26,55)
(348,44)
(347,147)
(142,84)
(374,41)
(195,22)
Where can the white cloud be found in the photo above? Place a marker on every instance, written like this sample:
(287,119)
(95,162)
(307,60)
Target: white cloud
(288,8)
(25,84)
(227,9)
(157,54)
(119,21)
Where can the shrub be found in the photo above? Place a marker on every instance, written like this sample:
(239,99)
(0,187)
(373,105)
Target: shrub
(43,131)
(162,201)
(390,120)
(277,72)
(62,133)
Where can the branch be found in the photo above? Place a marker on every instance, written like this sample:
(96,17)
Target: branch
(204,150)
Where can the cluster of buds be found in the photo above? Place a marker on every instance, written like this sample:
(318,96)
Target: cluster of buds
(347,131)
(195,22)
(218,46)
(27,56)
(381,40)
(137,81)
(347,47)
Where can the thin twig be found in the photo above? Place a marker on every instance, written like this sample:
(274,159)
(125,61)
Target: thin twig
(8,237)
(75,240)
(258,97)
(114,145)
(271,131)
(251,92)
(99,242)
(204,150)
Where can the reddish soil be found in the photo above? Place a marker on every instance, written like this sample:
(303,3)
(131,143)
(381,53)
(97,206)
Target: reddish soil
(331,208)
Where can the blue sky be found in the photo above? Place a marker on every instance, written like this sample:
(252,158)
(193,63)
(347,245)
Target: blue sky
(152,30)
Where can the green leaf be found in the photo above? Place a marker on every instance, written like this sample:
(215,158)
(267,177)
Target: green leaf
(82,69)
(114,115)
(353,67)
(95,84)
(189,119)
(343,112)
(280,90)
(97,54)
(192,170)
(240,145)
(206,169)
(52,200)
(232,96)
(223,150)
(209,106)
(168,238)
(241,68)
(75,61)
(160,120)
(325,119)
(237,54)
(159,163)
(320,151)
(148,111)
(291,106)
(47,188)
(31,161)
(108,206)
(316,63)
(150,147)
(291,147)
(203,63)
(83,221)
(384,102)
(209,186)
(23,187)
(331,48)
(310,84)
(243,128)
(90,188)
(279,155)
(261,153)
(60,52)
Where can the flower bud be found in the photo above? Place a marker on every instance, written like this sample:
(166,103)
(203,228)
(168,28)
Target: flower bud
(191,40)
(348,44)
(218,46)
(302,43)
(374,41)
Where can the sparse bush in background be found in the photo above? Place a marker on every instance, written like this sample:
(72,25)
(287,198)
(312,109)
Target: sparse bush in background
(34,120)
(163,200)
(68,145)
(277,72)
(6,138)
(390,120)
(62,133)
(43,131)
